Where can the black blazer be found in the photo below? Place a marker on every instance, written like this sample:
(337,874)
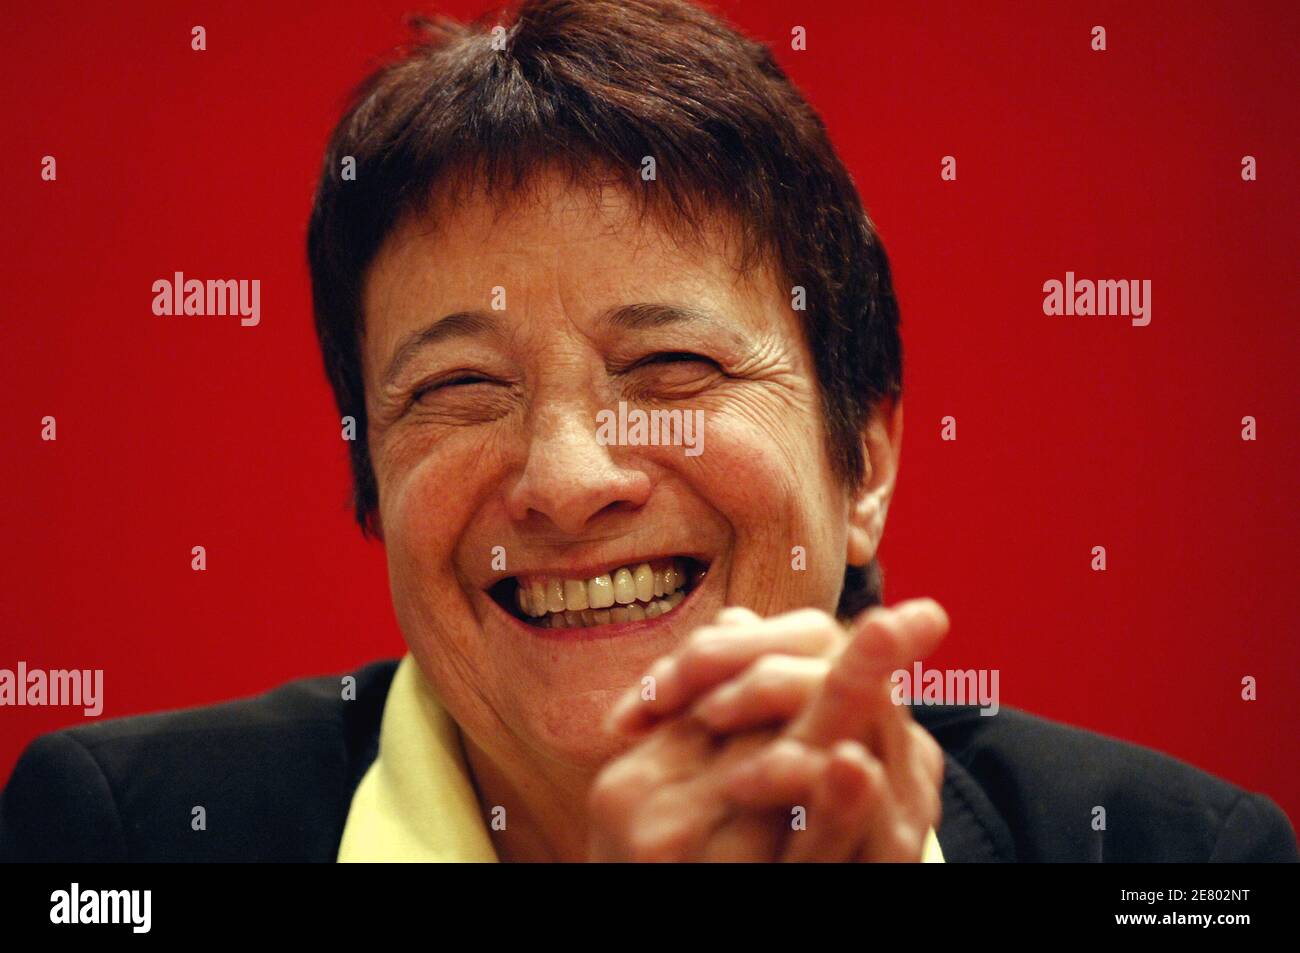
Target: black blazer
(276,773)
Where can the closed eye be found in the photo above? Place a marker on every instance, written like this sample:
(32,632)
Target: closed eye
(463,380)
(675,357)
(672,375)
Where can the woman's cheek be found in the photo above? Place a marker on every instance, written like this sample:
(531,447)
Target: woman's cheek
(766,479)
(423,518)
(765,467)
(416,465)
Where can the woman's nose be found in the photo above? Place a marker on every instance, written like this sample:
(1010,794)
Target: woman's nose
(569,477)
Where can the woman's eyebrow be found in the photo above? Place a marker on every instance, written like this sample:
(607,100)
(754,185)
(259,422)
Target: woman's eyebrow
(630,317)
(647,316)
(457,324)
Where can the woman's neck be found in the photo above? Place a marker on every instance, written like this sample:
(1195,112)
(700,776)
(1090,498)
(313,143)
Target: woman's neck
(545,816)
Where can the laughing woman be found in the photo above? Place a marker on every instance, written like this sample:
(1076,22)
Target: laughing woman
(623,643)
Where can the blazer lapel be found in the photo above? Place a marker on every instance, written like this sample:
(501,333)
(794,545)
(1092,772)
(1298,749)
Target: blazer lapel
(971,830)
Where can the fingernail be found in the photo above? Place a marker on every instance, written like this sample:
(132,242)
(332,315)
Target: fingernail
(733,614)
(715,706)
(662,671)
(621,714)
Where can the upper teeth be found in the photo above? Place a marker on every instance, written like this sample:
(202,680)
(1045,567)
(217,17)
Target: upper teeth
(625,586)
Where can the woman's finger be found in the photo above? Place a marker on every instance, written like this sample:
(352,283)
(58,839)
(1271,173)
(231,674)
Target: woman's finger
(654,802)
(773,689)
(883,640)
(746,837)
(737,615)
(781,774)
(715,653)
(848,801)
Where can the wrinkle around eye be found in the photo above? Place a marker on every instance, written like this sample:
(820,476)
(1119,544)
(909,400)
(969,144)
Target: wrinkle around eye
(462,380)
(675,378)
(468,399)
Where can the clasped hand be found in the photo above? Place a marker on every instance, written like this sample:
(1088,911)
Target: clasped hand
(775,739)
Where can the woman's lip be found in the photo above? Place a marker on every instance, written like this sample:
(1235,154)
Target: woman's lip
(609,630)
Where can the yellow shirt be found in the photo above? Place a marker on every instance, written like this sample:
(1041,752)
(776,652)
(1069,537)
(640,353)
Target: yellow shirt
(416,802)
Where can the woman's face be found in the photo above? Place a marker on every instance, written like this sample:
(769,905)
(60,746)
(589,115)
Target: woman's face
(492,343)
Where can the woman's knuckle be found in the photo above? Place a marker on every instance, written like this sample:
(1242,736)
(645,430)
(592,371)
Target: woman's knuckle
(874,781)
(620,785)
(890,638)
(902,843)
(766,674)
(662,843)
(824,628)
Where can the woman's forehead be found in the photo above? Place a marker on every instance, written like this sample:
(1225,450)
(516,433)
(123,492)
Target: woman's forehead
(551,214)
(591,250)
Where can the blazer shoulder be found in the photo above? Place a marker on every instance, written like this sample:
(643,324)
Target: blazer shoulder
(269,777)
(1069,794)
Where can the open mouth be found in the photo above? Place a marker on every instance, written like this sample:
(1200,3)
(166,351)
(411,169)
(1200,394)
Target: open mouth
(629,593)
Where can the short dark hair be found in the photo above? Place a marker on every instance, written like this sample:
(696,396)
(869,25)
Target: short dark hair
(593,87)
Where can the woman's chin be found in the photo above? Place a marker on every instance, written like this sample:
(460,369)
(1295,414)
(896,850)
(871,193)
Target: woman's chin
(570,730)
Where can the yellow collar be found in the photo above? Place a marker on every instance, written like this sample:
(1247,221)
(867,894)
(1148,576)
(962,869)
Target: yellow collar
(416,802)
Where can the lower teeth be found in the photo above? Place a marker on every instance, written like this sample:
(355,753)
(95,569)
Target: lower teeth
(635,612)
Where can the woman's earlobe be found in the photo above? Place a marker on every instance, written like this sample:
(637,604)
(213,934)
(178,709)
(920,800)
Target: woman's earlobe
(860,545)
(881,440)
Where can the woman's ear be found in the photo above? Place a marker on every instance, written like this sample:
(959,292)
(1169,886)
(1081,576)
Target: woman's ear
(881,442)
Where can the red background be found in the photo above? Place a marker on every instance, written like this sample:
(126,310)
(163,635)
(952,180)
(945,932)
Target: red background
(1072,432)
